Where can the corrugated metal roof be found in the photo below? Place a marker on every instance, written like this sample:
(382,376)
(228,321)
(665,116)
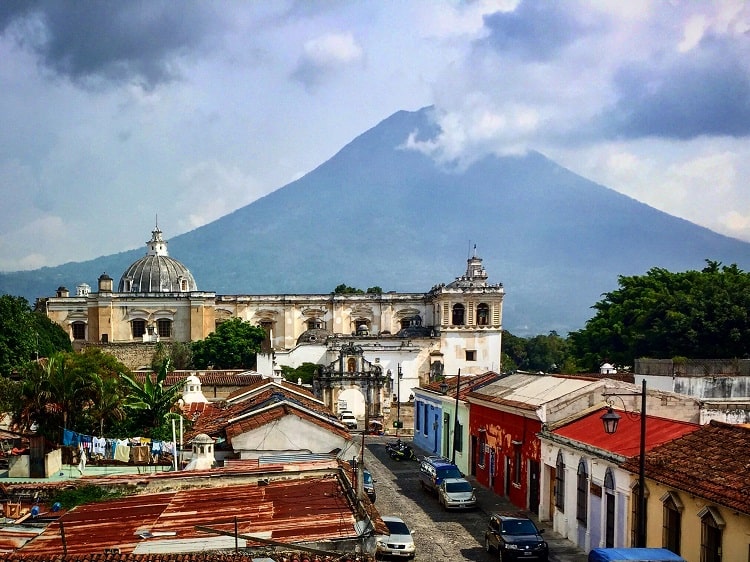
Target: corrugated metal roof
(531,391)
(626,440)
(292,510)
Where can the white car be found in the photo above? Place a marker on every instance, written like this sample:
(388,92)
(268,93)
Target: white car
(349,419)
(399,543)
(456,493)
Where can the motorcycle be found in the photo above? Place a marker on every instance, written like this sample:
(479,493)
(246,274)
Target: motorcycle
(400,451)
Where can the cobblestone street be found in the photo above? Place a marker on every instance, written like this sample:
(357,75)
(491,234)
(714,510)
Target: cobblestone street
(442,535)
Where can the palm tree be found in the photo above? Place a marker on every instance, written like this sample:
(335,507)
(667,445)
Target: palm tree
(108,404)
(153,400)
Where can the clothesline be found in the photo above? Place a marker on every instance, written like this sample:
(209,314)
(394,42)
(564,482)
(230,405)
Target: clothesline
(139,450)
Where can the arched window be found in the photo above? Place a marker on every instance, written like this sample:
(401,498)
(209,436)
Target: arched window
(138,328)
(79,330)
(351,364)
(483,315)
(582,493)
(458,315)
(164,328)
(609,509)
(560,482)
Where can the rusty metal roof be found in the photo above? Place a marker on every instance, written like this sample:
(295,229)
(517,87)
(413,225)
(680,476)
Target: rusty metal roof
(290,510)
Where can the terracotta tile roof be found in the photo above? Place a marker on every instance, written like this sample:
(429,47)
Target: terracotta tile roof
(276,413)
(230,377)
(255,386)
(626,440)
(215,421)
(711,462)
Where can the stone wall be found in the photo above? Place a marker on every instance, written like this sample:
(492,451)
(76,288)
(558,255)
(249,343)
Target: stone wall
(132,355)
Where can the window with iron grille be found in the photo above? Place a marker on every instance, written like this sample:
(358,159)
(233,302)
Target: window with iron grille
(79,330)
(671,526)
(138,327)
(164,328)
(560,482)
(582,493)
(710,539)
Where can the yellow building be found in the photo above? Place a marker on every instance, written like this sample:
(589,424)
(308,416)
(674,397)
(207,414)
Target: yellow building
(698,494)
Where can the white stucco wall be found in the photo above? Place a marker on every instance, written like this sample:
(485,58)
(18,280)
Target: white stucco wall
(289,434)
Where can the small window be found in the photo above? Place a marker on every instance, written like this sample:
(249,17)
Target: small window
(79,330)
(183,285)
(139,328)
(471,355)
(314,324)
(164,328)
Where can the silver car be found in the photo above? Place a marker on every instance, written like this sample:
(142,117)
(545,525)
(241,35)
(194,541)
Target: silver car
(456,493)
(399,543)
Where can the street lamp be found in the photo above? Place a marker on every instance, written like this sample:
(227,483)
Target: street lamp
(610,420)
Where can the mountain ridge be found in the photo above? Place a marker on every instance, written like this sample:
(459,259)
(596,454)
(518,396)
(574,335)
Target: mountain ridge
(376,213)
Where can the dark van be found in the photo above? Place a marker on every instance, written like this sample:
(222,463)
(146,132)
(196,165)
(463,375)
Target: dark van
(432,471)
(637,554)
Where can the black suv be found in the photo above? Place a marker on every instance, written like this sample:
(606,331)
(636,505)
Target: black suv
(515,537)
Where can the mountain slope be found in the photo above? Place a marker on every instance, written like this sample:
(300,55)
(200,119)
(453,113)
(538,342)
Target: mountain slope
(377,214)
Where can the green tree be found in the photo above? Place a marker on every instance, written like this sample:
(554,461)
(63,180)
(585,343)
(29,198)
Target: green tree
(697,314)
(306,372)
(153,403)
(26,335)
(374,290)
(344,289)
(234,345)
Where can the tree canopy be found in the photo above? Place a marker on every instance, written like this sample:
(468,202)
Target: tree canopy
(234,345)
(26,335)
(78,391)
(698,314)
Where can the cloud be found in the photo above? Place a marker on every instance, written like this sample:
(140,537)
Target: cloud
(94,43)
(534,30)
(684,94)
(325,55)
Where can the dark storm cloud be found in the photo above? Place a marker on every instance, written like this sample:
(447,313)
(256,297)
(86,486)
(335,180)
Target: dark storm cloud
(704,91)
(534,30)
(137,40)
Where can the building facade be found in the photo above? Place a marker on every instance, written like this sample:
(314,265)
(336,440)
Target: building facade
(417,337)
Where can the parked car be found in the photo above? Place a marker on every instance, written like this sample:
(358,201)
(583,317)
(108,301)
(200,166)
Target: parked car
(456,493)
(432,471)
(515,537)
(399,543)
(368,483)
(349,419)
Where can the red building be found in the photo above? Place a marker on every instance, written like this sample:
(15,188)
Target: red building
(504,420)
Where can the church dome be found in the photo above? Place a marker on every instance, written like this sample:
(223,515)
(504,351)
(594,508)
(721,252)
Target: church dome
(156,272)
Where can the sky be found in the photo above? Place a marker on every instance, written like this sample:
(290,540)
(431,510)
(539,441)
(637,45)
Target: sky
(115,113)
